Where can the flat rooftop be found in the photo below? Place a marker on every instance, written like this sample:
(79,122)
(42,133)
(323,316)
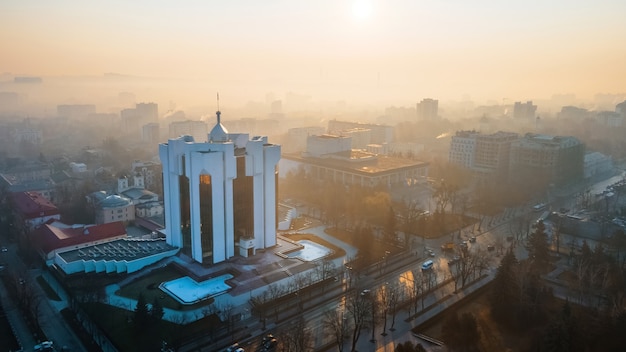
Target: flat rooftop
(370,167)
(122,249)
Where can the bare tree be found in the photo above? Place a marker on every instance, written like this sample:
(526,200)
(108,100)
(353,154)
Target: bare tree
(227,315)
(334,322)
(275,291)
(296,338)
(357,306)
(394,297)
(324,269)
(384,295)
(418,282)
(259,306)
(374,309)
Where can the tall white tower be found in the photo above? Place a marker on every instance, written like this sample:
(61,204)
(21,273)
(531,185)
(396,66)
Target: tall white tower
(219,192)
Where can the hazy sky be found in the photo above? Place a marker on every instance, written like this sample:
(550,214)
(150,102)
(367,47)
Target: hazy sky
(395,49)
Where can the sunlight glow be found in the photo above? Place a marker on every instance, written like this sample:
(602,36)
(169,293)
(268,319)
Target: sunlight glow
(362,9)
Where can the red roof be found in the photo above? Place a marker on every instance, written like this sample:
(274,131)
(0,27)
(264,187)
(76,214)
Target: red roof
(50,237)
(32,205)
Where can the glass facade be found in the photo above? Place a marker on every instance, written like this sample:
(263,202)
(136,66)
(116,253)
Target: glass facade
(185,216)
(206,218)
(243,197)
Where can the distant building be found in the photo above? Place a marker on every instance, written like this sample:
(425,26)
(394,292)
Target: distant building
(330,158)
(361,137)
(379,149)
(197,129)
(610,118)
(149,112)
(31,210)
(27,80)
(29,176)
(56,237)
(406,149)
(463,148)
(220,194)
(150,133)
(151,172)
(552,159)
(573,113)
(524,110)
(296,138)
(133,119)
(149,209)
(256,126)
(326,144)
(78,168)
(27,134)
(104,248)
(597,163)
(427,109)
(380,134)
(112,208)
(492,154)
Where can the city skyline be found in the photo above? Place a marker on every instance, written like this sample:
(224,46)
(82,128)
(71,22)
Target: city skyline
(356,50)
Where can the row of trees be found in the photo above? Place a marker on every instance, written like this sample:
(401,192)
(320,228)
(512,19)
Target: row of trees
(271,301)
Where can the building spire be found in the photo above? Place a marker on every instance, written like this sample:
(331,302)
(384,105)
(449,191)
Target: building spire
(218,112)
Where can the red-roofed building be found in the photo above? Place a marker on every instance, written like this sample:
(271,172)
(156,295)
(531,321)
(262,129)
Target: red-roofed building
(31,209)
(54,237)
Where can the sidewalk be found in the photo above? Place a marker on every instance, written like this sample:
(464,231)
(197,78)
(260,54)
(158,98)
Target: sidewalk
(436,302)
(14,316)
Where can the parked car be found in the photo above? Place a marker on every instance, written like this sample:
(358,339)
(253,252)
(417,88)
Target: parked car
(472,239)
(270,344)
(234,348)
(491,247)
(44,346)
(427,265)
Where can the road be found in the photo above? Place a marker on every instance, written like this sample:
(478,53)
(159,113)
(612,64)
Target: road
(51,321)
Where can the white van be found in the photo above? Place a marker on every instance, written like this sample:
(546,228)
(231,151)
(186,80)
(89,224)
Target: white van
(427,265)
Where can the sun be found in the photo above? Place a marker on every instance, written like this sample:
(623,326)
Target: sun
(362,9)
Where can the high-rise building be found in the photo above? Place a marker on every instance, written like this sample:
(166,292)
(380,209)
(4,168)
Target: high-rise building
(462,147)
(427,109)
(491,154)
(524,110)
(220,195)
(550,159)
(149,112)
(133,119)
(150,133)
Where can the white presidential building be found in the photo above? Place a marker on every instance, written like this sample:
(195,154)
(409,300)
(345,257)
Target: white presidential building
(220,194)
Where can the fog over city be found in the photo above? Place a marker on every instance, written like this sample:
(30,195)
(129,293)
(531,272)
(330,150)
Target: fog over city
(332,175)
(373,52)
